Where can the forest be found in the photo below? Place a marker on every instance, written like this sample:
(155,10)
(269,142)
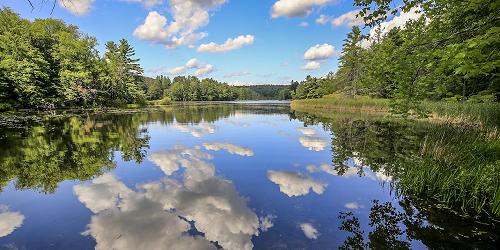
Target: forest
(191,88)
(449,53)
(46,64)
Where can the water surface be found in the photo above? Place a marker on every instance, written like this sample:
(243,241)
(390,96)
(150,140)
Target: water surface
(232,176)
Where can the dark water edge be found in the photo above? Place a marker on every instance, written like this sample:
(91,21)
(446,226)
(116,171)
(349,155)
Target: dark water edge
(42,154)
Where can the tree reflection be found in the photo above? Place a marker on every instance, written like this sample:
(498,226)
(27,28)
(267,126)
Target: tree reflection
(452,171)
(39,156)
(385,224)
(436,229)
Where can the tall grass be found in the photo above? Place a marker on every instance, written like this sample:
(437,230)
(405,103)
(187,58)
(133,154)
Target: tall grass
(339,102)
(457,166)
(486,115)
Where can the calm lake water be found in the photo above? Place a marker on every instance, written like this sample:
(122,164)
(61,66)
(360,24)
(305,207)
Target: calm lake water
(232,176)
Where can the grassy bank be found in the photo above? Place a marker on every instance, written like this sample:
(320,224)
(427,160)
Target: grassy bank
(479,115)
(337,102)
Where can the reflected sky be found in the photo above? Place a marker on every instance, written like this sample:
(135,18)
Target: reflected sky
(222,176)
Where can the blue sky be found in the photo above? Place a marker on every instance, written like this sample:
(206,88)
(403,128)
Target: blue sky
(273,51)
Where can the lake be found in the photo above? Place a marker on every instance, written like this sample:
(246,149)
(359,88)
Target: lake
(249,175)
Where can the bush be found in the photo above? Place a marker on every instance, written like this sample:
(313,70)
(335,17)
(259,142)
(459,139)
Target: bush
(164,101)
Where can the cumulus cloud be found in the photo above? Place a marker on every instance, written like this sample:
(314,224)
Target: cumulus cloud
(319,52)
(312,65)
(229,44)
(397,22)
(9,221)
(347,19)
(201,69)
(76,7)
(311,140)
(188,16)
(295,8)
(309,230)
(231,148)
(204,70)
(293,183)
(157,214)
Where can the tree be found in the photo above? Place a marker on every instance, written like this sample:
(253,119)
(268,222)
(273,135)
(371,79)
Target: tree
(351,60)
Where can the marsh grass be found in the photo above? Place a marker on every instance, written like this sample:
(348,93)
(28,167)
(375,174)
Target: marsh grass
(457,166)
(485,116)
(338,102)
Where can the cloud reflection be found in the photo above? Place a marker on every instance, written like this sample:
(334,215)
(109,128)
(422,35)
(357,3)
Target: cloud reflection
(293,183)
(198,130)
(231,148)
(361,171)
(165,213)
(9,221)
(309,230)
(311,140)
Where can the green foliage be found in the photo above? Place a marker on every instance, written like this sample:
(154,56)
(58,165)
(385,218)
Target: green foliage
(313,87)
(451,52)
(165,101)
(47,63)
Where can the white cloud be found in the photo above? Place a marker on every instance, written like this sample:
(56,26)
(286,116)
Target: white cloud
(202,69)
(319,52)
(76,7)
(188,16)
(229,44)
(311,140)
(231,148)
(397,22)
(312,65)
(303,24)
(177,70)
(193,63)
(295,8)
(309,230)
(9,221)
(153,28)
(146,3)
(322,19)
(294,183)
(348,19)
(353,205)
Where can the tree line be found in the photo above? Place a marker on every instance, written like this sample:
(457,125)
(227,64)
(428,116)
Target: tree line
(47,63)
(192,88)
(451,52)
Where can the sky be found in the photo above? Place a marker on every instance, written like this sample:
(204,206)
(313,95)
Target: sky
(235,41)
